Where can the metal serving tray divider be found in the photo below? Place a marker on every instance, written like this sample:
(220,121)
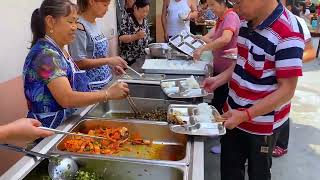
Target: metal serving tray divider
(186,42)
(130,124)
(183,92)
(193,125)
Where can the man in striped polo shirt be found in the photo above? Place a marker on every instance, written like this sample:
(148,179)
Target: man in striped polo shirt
(262,82)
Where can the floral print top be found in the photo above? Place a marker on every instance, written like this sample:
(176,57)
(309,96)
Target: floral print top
(133,50)
(43,64)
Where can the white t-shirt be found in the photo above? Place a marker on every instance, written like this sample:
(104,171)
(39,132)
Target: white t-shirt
(306,32)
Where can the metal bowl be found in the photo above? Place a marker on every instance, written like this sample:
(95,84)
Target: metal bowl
(159,50)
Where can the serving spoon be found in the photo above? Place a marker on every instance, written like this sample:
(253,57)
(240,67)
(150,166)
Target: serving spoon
(60,167)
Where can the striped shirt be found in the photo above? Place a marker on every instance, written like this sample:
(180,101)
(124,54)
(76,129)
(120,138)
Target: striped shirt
(271,51)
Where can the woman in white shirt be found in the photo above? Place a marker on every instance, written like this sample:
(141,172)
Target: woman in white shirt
(176,15)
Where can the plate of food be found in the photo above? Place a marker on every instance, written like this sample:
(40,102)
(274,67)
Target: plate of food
(199,120)
(182,88)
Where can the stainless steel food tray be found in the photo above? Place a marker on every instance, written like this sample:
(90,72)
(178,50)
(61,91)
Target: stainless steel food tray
(175,149)
(120,109)
(186,42)
(165,66)
(118,170)
(180,91)
(193,124)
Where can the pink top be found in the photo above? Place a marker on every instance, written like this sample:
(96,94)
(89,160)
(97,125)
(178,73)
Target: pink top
(229,21)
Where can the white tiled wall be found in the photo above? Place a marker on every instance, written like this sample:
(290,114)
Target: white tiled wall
(15,34)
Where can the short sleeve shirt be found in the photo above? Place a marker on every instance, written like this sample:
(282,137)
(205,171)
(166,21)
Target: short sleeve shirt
(305,29)
(43,64)
(271,51)
(230,21)
(90,43)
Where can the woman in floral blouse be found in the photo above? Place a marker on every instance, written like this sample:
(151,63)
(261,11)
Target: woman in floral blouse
(53,84)
(134,32)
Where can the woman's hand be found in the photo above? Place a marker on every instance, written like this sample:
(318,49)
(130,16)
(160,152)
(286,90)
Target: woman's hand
(200,37)
(141,34)
(117,61)
(234,118)
(197,54)
(210,84)
(118,70)
(22,130)
(118,90)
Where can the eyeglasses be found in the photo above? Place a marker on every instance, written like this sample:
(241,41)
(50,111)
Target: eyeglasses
(234,2)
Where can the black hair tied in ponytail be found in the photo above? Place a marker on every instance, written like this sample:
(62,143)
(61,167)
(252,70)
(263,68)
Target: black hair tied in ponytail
(37,26)
(54,8)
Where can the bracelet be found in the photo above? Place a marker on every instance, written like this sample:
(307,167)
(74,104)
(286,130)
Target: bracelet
(247,112)
(106,96)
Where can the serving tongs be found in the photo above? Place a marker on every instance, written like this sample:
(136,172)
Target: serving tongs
(133,105)
(69,133)
(141,75)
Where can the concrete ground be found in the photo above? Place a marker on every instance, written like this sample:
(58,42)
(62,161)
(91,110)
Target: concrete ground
(303,159)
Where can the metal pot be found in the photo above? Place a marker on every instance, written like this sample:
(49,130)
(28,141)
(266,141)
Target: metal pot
(159,50)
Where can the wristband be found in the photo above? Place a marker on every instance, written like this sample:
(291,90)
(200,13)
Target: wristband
(247,112)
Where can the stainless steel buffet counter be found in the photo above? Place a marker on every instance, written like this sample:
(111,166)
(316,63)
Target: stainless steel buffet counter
(189,167)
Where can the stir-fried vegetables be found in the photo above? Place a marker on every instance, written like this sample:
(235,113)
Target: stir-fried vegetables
(86,175)
(115,138)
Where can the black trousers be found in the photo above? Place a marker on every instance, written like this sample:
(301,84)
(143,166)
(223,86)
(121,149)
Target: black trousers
(283,138)
(220,97)
(237,146)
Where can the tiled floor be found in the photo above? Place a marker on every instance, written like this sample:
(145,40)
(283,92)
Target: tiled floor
(303,159)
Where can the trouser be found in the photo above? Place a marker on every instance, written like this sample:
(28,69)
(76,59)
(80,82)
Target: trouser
(237,146)
(220,97)
(283,138)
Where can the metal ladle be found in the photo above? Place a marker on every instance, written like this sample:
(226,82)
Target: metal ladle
(59,168)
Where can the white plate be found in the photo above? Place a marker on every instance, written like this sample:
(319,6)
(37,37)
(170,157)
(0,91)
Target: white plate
(178,91)
(198,127)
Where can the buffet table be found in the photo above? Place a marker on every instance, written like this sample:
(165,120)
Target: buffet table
(188,167)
